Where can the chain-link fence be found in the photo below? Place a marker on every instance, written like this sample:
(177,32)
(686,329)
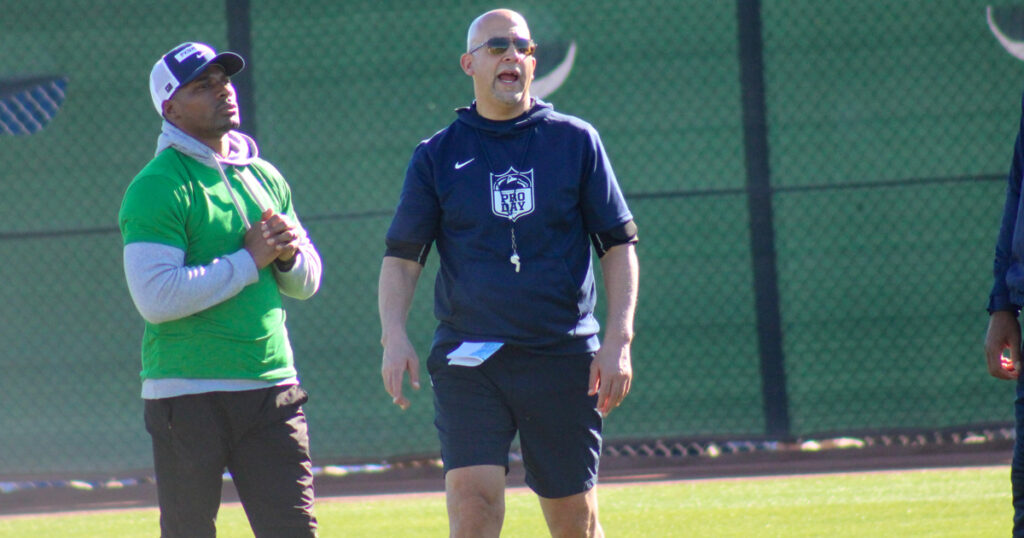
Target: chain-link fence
(817,183)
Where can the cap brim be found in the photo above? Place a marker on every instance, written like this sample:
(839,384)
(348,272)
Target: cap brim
(231,62)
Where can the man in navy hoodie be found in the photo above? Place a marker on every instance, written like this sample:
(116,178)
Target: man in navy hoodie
(514,194)
(1004,305)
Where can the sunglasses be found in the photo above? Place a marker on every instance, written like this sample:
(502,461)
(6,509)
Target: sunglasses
(498,45)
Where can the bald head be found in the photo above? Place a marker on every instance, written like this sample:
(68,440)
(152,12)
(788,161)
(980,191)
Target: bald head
(501,73)
(503,19)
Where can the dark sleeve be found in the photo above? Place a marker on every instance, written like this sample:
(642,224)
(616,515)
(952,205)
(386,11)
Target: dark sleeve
(619,235)
(417,216)
(416,252)
(999,298)
(601,200)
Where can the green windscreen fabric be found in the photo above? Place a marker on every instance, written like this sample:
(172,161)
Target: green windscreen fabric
(889,127)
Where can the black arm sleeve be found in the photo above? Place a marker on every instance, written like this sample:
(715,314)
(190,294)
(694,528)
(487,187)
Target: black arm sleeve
(416,252)
(619,235)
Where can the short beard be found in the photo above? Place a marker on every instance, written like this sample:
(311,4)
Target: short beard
(509,98)
(230,125)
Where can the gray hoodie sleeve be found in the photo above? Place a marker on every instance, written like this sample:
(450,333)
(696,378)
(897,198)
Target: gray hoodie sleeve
(303,279)
(165,289)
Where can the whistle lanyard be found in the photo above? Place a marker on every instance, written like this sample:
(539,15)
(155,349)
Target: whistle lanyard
(514,258)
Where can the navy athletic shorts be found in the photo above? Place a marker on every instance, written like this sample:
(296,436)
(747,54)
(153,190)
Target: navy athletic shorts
(478,411)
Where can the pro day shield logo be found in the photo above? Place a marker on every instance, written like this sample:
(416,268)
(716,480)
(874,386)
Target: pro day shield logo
(512,194)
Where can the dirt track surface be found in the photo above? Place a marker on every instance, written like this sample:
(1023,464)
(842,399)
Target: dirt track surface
(614,469)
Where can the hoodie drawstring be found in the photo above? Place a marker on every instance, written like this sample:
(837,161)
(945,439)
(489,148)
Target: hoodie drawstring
(172,136)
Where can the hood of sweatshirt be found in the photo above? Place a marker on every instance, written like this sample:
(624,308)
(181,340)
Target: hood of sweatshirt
(242,149)
(472,118)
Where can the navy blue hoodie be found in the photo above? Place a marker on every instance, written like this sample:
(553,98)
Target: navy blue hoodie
(542,180)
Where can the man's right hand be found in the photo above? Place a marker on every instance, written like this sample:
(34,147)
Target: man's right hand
(399,357)
(395,290)
(1003,333)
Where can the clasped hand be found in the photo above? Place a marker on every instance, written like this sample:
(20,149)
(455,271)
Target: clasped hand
(275,237)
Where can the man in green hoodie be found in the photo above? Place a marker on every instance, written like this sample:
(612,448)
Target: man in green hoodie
(211,242)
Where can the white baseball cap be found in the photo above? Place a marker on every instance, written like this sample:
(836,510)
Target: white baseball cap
(184,63)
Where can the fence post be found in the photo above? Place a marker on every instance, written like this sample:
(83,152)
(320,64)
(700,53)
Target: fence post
(240,41)
(762,231)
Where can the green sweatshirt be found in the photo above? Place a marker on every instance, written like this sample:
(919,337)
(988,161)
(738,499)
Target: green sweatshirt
(177,201)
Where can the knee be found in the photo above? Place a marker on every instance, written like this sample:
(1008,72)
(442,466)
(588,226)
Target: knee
(574,516)
(476,500)
(578,524)
(475,511)
(467,504)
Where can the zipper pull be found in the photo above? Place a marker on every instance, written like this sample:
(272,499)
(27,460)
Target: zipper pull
(514,260)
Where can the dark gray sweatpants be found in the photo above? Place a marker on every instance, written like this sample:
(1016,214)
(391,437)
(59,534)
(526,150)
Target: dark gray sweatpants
(260,436)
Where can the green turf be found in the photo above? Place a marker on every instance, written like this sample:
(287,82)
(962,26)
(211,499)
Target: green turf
(932,503)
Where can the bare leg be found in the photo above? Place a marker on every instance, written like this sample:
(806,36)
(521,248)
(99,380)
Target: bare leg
(476,501)
(573,516)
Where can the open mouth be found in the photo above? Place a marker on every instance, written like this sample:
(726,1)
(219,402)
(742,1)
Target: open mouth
(509,77)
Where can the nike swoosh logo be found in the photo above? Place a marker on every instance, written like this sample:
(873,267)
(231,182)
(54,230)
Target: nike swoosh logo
(458,166)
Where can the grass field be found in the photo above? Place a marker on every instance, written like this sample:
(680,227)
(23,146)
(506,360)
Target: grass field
(971,502)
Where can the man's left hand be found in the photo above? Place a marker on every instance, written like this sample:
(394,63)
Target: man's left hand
(283,233)
(611,373)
